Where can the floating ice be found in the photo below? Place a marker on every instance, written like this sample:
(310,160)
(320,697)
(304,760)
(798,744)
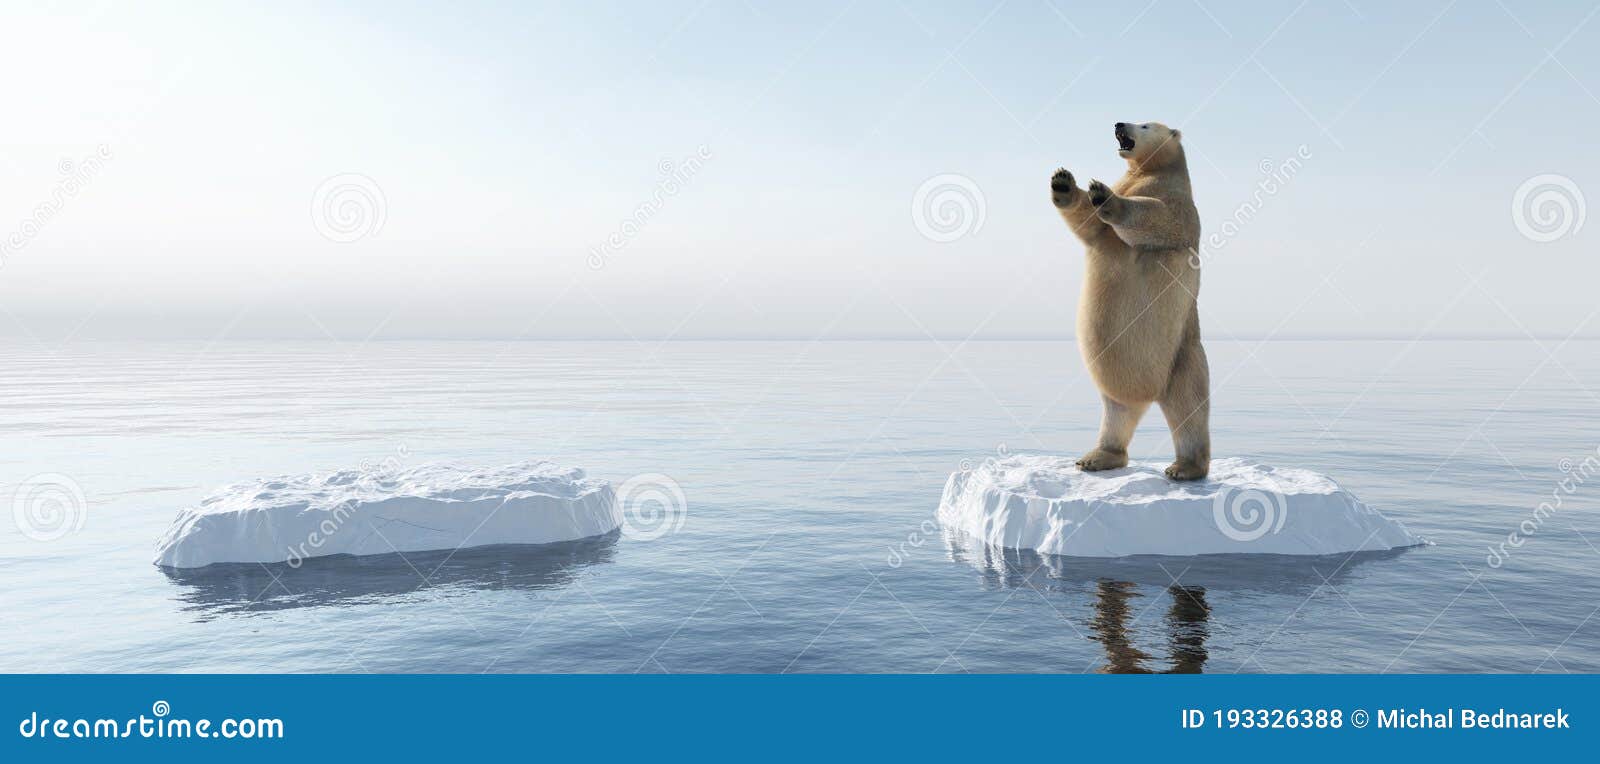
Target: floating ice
(432,506)
(1047,504)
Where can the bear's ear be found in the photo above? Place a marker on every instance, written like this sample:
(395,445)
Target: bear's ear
(1177,134)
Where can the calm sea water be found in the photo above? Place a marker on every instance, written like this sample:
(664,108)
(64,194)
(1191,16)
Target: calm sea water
(811,473)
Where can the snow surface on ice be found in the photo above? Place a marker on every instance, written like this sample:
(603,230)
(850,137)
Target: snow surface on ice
(432,506)
(1047,504)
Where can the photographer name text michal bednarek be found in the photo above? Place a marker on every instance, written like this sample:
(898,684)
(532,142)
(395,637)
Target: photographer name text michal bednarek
(1469,718)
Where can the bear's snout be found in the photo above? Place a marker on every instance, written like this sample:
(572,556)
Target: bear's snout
(1124,139)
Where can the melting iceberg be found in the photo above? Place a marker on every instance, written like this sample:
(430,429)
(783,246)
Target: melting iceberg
(1047,504)
(432,506)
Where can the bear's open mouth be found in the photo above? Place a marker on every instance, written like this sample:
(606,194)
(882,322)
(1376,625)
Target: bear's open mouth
(1124,140)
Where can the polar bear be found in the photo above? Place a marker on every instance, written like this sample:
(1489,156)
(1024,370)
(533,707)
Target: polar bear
(1138,321)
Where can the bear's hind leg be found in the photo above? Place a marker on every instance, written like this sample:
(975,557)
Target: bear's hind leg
(1187,406)
(1116,431)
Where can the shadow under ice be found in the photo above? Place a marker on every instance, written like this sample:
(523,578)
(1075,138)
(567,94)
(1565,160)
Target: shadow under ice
(347,580)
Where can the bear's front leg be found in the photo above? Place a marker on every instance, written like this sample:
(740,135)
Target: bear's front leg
(1142,221)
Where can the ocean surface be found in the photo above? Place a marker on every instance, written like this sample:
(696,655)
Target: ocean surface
(806,541)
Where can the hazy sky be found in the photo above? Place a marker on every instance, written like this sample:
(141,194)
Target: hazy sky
(769,156)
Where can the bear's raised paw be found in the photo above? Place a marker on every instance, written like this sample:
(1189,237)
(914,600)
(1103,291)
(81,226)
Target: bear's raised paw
(1098,193)
(1062,182)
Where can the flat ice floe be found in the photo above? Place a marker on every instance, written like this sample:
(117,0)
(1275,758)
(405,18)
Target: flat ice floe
(432,506)
(1047,504)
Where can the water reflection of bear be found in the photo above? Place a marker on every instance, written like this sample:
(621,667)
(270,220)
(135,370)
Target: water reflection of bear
(347,580)
(1117,580)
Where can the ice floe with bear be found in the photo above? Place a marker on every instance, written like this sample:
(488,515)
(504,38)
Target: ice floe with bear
(1049,505)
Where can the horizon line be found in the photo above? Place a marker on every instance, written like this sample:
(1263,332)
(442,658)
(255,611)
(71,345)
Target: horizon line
(1311,337)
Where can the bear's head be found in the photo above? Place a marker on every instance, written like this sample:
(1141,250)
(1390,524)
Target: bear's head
(1148,144)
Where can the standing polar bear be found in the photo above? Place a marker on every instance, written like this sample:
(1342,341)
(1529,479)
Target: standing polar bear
(1138,322)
